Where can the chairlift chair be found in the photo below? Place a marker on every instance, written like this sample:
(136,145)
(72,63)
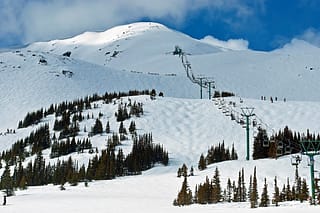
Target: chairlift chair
(265,142)
(254,122)
(232,116)
(279,152)
(295,160)
(287,150)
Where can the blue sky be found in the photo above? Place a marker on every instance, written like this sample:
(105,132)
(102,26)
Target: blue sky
(265,24)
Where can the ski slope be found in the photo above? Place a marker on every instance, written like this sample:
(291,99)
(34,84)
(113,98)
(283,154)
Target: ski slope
(186,128)
(139,56)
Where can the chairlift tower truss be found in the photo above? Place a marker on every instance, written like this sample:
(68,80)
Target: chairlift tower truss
(247,112)
(311,148)
(202,81)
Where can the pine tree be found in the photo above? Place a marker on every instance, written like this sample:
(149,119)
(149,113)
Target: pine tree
(191,171)
(216,188)
(108,128)
(184,170)
(202,163)
(288,191)
(254,191)
(7,181)
(185,195)
(276,194)
(304,191)
(229,191)
(243,187)
(97,128)
(264,196)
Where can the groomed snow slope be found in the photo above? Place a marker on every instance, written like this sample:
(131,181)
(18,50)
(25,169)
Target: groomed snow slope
(27,85)
(185,127)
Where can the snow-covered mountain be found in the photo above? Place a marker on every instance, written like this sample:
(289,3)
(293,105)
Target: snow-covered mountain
(139,56)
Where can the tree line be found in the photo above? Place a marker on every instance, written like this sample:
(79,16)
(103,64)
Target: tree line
(211,191)
(217,154)
(108,165)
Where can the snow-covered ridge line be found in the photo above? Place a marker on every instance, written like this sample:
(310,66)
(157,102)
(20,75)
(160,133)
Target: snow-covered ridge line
(110,35)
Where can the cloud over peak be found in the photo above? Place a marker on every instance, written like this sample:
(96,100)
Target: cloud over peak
(34,20)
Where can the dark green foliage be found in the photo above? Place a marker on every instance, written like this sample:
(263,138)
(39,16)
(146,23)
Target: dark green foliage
(259,149)
(304,195)
(37,140)
(210,191)
(7,182)
(69,146)
(264,196)
(132,127)
(276,194)
(97,128)
(136,109)
(183,171)
(217,154)
(202,165)
(184,196)
(31,118)
(282,143)
(145,154)
(108,128)
(122,113)
(229,191)
(254,191)
(122,129)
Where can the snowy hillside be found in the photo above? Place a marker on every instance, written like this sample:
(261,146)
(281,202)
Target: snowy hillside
(137,57)
(185,127)
(145,47)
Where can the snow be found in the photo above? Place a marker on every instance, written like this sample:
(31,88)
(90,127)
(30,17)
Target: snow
(186,126)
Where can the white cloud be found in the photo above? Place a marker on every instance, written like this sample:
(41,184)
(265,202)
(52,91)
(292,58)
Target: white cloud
(233,44)
(312,36)
(35,20)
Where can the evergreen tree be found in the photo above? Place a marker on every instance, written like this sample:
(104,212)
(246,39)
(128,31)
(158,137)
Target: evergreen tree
(191,171)
(202,165)
(243,187)
(97,128)
(229,191)
(216,189)
(304,191)
(276,194)
(7,181)
(108,128)
(264,196)
(185,195)
(288,191)
(254,191)
(184,170)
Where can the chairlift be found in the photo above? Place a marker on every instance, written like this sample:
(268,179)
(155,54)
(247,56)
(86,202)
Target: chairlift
(241,121)
(232,116)
(280,145)
(279,152)
(272,140)
(254,122)
(295,160)
(287,150)
(265,142)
